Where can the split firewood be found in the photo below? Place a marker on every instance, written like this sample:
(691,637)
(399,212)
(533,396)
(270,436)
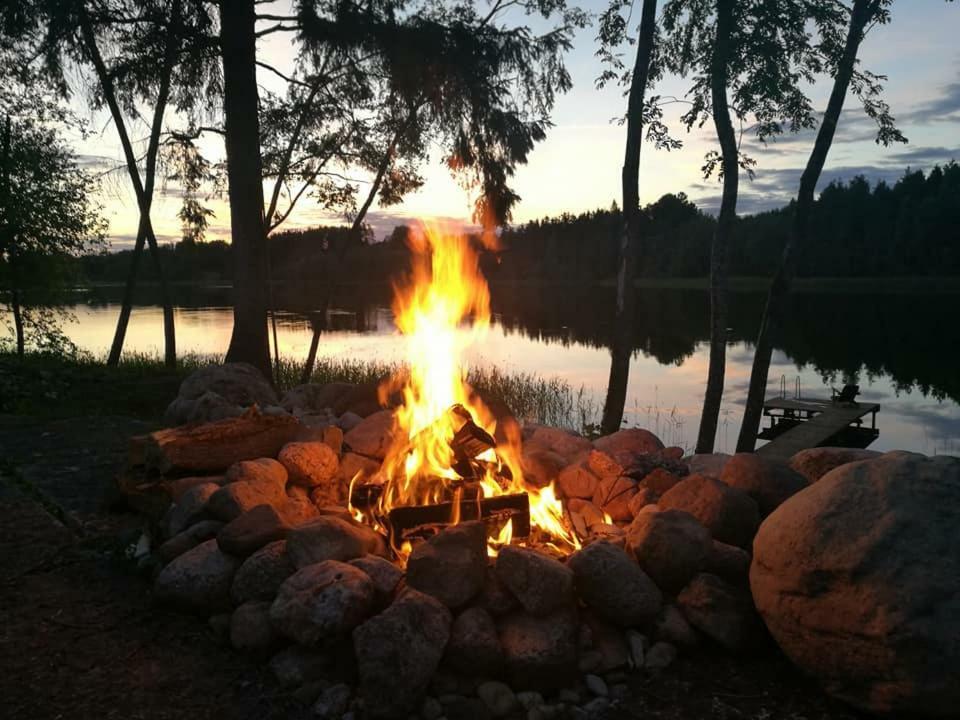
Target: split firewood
(213,447)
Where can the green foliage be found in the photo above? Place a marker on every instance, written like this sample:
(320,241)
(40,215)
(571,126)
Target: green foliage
(47,215)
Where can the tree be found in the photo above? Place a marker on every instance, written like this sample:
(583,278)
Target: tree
(866,86)
(46,215)
(613,28)
(719,264)
(374,84)
(749,59)
(141,61)
(249,342)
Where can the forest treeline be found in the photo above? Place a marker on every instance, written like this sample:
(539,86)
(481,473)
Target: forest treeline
(858,230)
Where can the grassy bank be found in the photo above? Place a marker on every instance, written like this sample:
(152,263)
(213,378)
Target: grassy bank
(54,386)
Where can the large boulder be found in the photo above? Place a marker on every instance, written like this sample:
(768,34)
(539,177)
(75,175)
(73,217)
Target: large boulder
(671,546)
(541,583)
(234,499)
(190,509)
(814,463)
(577,480)
(198,580)
(188,539)
(541,465)
(398,652)
(858,579)
(721,611)
(261,470)
(474,648)
(540,651)
(624,445)
(729,514)
(309,463)
(384,574)
(313,398)
(614,586)
(768,482)
(251,629)
(710,464)
(252,530)
(613,496)
(451,566)
(322,601)
(332,538)
(568,444)
(261,575)
(231,385)
(374,436)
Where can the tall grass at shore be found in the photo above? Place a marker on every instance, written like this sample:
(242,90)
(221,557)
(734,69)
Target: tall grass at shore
(48,385)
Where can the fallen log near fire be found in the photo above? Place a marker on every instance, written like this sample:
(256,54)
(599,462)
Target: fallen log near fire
(213,447)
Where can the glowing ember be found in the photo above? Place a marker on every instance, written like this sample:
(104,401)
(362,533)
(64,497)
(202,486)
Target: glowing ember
(443,307)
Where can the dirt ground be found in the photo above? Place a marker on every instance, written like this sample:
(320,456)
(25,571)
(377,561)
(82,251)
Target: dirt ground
(79,637)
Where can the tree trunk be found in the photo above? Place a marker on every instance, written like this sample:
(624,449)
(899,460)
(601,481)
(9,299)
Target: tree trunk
(113,359)
(143,188)
(249,342)
(622,341)
(17,309)
(724,229)
(863,11)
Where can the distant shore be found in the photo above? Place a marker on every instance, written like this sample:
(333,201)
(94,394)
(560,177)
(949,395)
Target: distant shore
(853,285)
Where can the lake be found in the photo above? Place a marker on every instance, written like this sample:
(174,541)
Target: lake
(902,349)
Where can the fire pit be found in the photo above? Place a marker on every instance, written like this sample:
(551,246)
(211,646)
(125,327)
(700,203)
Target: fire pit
(434,549)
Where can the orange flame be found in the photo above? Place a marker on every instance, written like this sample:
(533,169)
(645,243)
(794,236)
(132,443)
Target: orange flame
(442,308)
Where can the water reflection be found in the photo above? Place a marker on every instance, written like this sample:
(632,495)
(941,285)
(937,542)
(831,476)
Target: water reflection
(899,348)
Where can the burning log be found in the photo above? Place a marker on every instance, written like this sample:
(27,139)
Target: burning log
(417,522)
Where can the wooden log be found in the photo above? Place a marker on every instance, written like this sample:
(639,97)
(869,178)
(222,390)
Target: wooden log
(213,447)
(137,450)
(414,522)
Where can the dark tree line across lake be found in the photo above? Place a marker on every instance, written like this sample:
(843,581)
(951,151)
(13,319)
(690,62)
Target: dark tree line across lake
(909,228)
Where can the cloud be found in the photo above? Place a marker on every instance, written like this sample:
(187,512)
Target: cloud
(943,108)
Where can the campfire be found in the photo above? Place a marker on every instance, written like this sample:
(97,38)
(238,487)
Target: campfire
(446,464)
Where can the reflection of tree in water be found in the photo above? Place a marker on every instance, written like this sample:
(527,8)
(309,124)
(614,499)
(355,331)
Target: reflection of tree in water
(912,339)
(909,338)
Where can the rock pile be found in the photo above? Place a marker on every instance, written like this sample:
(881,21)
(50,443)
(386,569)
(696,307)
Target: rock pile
(268,551)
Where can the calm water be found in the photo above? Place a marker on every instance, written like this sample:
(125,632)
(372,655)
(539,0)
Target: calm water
(901,349)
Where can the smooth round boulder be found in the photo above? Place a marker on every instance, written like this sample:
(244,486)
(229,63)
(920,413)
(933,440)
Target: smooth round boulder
(769,483)
(630,442)
(729,514)
(474,648)
(332,538)
(261,575)
(614,586)
(398,652)
(541,583)
(671,546)
(540,651)
(710,464)
(814,463)
(198,580)
(541,466)
(265,470)
(374,436)
(309,463)
(563,442)
(858,579)
(322,601)
(452,565)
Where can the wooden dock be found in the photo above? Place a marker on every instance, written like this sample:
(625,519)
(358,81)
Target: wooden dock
(801,424)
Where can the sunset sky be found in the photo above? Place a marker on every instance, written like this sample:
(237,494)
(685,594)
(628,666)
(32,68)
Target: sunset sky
(577,168)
